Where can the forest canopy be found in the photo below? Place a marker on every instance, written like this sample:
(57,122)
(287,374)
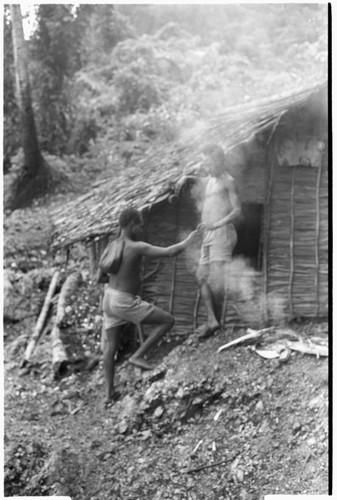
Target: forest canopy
(106,73)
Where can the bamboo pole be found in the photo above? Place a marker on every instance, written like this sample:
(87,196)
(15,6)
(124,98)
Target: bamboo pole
(41,320)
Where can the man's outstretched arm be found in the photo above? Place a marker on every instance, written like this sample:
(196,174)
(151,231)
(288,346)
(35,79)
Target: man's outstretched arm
(153,251)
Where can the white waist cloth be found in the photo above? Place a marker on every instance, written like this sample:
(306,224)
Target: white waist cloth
(122,307)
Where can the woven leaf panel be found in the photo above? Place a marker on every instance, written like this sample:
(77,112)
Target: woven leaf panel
(298,252)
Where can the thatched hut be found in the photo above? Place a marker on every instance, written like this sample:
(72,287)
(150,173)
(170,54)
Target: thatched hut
(278,153)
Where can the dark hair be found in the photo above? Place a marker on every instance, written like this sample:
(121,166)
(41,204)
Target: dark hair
(129,215)
(215,151)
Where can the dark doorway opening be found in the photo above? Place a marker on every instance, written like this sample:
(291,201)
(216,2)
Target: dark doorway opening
(249,231)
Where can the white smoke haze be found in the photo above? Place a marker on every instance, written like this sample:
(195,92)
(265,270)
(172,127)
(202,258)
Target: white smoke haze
(191,253)
(243,285)
(197,193)
(276,308)
(193,133)
(239,278)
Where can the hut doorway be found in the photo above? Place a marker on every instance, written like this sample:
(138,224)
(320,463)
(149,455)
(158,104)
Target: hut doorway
(249,231)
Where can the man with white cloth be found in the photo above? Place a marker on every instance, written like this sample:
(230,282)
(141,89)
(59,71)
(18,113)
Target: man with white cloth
(120,265)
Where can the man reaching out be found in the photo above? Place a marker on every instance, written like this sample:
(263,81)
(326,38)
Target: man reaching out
(120,265)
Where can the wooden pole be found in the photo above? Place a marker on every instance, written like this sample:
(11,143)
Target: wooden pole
(93,263)
(207,466)
(272,157)
(173,282)
(291,242)
(196,310)
(41,320)
(318,220)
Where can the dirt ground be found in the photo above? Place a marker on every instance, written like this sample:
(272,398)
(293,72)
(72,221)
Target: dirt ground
(253,426)
(201,426)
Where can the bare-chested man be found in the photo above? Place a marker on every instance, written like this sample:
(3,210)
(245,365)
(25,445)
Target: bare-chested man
(220,207)
(121,304)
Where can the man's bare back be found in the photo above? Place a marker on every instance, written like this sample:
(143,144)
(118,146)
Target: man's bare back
(127,279)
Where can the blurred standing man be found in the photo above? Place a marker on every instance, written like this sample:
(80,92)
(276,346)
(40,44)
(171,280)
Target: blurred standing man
(221,207)
(120,266)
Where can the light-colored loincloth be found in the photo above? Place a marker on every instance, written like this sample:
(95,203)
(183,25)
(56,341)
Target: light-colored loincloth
(218,245)
(121,307)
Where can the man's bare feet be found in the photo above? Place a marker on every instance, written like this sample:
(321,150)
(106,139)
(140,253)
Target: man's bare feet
(141,363)
(206,330)
(111,399)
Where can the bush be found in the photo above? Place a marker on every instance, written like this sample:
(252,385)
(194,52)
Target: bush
(136,92)
(84,131)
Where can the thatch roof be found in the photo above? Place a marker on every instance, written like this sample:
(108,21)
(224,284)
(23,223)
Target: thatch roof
(155,176)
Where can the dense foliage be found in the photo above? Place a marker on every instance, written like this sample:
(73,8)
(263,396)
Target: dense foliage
(104,72)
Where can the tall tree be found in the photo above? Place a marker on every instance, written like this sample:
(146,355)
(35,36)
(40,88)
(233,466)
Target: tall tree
(101,28)
(34,177)
(11,119)
(53,48)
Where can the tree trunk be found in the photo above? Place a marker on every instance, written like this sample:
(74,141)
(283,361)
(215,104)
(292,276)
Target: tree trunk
(35,175)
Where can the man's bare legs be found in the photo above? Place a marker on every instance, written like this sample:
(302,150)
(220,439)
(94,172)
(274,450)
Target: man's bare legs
(211,298)
(217,283)
(165,322)
(111,342)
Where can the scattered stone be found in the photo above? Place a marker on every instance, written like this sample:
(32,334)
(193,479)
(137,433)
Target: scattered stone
(311,442)
(259,407)
(158,412)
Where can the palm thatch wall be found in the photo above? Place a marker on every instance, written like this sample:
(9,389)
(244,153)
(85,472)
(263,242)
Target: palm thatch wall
(298,245)
(297,258)
(172,285)
(296,239)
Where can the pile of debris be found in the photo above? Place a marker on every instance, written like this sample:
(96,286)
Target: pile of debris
(274,342)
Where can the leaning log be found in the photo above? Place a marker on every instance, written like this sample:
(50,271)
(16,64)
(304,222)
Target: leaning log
(68,288)
(60,358)
(41,321)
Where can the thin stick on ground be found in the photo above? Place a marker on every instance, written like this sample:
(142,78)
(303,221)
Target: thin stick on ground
(41,320)
(208,466)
